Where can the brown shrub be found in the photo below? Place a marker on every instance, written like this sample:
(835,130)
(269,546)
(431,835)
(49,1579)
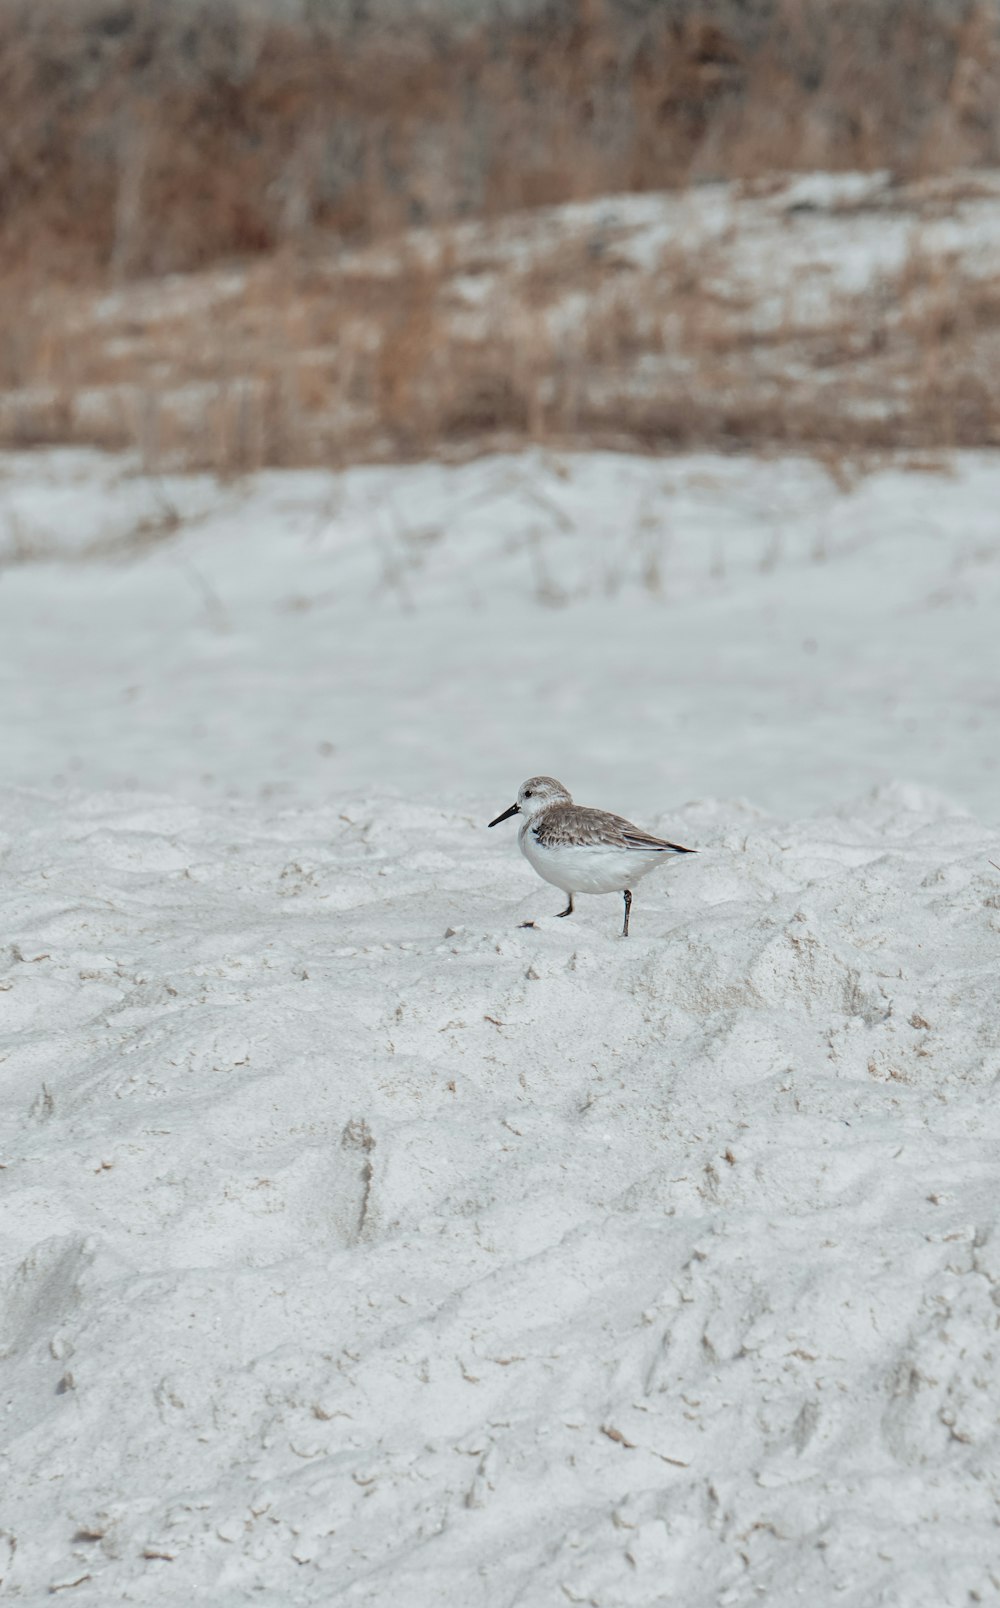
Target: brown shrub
(549,331)
(140,138)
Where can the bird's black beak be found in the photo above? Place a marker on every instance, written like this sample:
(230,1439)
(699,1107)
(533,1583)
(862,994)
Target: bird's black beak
(506,815)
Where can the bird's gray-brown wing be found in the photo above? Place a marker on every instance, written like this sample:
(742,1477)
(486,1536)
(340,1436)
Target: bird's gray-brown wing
(573,823)
(635,838)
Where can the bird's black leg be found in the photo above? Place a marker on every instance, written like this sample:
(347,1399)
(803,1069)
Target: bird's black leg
(568,910)
(628,906)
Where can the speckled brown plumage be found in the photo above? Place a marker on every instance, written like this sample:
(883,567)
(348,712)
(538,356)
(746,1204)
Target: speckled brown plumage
(574,823)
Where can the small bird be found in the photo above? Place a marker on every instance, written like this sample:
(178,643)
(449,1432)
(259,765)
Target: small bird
(582,850)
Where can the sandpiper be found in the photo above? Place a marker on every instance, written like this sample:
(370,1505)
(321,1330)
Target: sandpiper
(582,850)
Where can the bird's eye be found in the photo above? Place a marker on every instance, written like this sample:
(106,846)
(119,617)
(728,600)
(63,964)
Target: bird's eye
(528,793)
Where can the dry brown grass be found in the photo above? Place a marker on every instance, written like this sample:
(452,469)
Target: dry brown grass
(140,138)
(274,165)
(542,329)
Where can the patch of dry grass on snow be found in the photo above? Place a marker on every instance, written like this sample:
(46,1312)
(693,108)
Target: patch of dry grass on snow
(235,237)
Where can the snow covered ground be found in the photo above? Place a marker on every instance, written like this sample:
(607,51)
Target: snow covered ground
(652,629)
(359,1246)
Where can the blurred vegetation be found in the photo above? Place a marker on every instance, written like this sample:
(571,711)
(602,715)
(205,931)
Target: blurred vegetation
(277,154)
(148,136)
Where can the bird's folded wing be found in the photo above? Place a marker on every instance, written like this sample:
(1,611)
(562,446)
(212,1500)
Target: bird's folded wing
(574,824)
(636,839)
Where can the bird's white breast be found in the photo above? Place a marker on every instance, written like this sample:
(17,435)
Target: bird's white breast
(588,867)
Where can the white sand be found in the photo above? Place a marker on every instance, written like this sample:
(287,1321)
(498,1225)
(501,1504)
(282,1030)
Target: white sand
(359,1247)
